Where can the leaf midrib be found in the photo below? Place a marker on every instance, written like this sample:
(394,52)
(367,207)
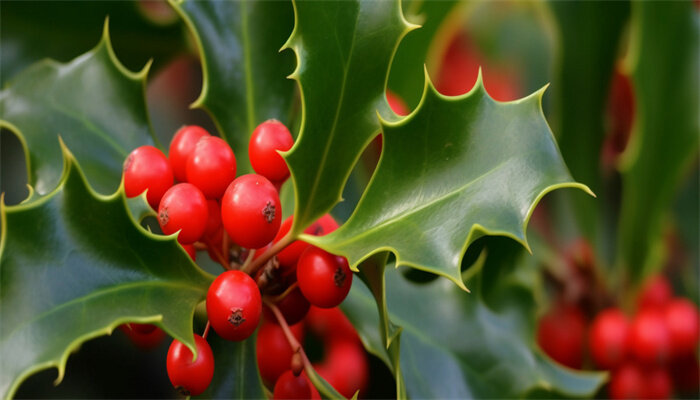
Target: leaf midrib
(99,293)
(333,131)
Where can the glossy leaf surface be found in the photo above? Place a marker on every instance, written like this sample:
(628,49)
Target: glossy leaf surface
(454,170)
(93,104)
(664,64)
(245,74)
(74,266)
(488,351)
(344,49)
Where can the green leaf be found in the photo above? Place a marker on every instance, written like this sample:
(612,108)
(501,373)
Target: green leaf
(344,50)
(589,37)
(236,374)
(456,169)
(244,72)
(406,77)
(664,64)
(73,266)
(34,30)
(93,104)
(479,345)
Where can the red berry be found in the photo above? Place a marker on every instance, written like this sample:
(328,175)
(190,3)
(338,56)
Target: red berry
(649,338)
(325,225)
(251,211)
(657,384)
(609,338)
(183,208)
(397,105)
(560,333)
(190,377)
(293,307)
(147,168)
(211,166)
(213,218)
(267,139)
(324,278)
(145,336)
(346,367)
(656,293)
(289,386)
(626,382)
(181,147)
(273,351)
(191,251)
(234,305)
(330,323)
(681,317)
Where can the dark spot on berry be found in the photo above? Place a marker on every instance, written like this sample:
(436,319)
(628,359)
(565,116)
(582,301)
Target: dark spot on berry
(182,390)
(339,277)
(128,161)
(163,217)
(269,212)
(236,317)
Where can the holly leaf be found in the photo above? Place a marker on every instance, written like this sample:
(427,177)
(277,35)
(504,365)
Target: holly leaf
(406,76)
(73,266)
(344,50)
(244,73)
(454,170)
(470,345)
(33,30)
(589,33)
(664,142)
(93,103)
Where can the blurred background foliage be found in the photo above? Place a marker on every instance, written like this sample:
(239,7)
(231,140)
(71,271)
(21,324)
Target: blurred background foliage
(622,102)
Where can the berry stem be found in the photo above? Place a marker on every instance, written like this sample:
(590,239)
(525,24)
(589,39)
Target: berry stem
(249,259)
(221,259)
(284,294)
(257,263)
(296,347)
(199,246)
(206,330)
(226,247)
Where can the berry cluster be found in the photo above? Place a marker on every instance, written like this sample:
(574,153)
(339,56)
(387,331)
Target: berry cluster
(650,355)
(238,221)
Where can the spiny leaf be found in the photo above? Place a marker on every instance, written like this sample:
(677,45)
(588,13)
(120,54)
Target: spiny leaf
(666,130)
(456,169)
(93,103)
(244,72)
(478,345)
(73,266)
(344,50)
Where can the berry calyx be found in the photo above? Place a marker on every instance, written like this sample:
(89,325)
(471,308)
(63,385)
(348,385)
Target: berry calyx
(289,386)
(609,338)
(561,332)
(324,278)
(251,211)
(681,318)
(183,208)
(181,146)
(234,305)
(190,377)
(211,166)
(267,139)
(147,168)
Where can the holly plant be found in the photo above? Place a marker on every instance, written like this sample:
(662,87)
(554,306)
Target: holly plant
(351,216)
